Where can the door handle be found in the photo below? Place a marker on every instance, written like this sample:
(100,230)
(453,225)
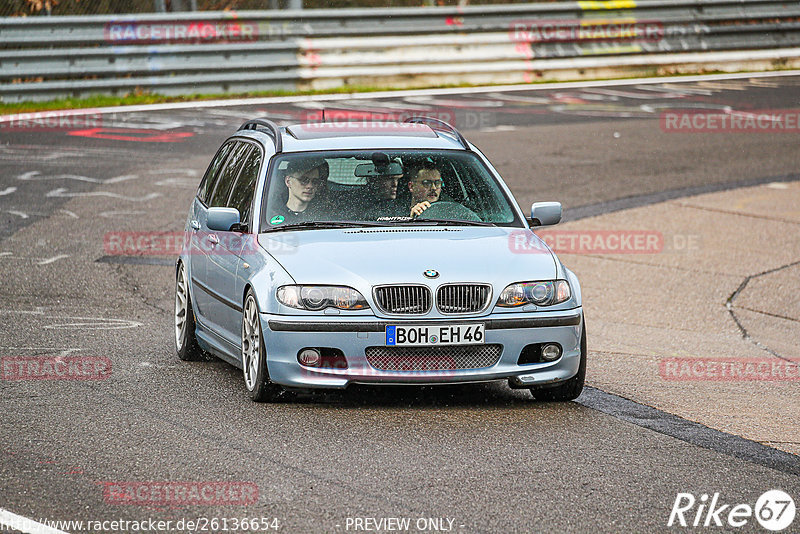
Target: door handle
(195,225)
(213,239)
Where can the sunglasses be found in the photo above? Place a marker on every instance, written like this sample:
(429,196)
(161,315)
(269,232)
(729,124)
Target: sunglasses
(428,183)
(305,180)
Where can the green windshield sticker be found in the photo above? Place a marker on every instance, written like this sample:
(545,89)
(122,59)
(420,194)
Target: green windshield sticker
(277,219)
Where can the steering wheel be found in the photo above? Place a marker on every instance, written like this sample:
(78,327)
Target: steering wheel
(449,210)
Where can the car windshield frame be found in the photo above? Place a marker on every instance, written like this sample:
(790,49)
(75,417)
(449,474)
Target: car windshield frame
(499,190)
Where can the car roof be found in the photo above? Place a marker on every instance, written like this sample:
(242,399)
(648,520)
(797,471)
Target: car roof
(360,136)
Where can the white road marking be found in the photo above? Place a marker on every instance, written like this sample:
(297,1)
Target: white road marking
(36,175)
(23,524)
(452,103)
(21,214)
(178,182)
(62,192)
(521,98)
(37,261)
(93,323)
(118,179)
(413,92)
(679,91)
(628,94)
(88,323)
(70,213)
(7,191)
(61,351)
(499,128)
(778,185)
(54,259)
(188,172)
(112,214)
(38,311)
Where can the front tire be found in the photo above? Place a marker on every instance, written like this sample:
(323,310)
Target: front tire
(570,389)
(186,345)
(254,355)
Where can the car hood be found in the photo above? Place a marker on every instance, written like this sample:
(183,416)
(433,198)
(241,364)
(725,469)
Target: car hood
(365,257)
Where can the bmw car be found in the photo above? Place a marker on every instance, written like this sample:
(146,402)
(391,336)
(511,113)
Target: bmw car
(327,254)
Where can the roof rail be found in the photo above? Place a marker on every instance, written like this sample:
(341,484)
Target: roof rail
(444,126)
(274,131)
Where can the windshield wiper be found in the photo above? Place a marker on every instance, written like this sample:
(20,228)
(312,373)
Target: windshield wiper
(312,225)
(446,222)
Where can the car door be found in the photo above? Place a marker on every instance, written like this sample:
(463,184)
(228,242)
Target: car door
(222,310)
(198,238)
(230,266)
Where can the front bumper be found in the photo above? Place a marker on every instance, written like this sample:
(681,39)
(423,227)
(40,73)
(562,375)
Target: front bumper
(285,336)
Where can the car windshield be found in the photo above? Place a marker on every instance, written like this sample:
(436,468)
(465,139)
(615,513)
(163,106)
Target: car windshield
(313,190)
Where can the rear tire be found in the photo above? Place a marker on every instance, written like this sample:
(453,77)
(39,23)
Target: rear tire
(570,389)
(254,355)
(186,345)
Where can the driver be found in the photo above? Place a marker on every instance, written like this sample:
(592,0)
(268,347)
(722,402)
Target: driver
(426,187)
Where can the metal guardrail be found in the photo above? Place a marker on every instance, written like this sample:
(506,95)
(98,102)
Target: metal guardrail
(216,52)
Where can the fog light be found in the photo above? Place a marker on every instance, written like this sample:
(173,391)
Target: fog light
(309,357)
(551,352)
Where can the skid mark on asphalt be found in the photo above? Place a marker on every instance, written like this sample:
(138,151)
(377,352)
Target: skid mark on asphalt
(689,431)
(638,201)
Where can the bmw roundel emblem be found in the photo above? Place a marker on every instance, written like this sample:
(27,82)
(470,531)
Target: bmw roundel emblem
(431,273)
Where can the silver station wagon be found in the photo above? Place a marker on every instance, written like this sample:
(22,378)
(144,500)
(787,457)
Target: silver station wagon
(323,255)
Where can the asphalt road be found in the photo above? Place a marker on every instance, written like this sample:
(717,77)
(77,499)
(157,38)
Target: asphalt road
(484,456)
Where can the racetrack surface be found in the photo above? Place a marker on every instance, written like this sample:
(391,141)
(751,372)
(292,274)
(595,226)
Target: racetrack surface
(485,456)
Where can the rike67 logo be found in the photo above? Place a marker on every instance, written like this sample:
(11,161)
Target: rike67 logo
(774,510)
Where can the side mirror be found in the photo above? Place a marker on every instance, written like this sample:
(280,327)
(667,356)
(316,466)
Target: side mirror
(222,219)
(545,213)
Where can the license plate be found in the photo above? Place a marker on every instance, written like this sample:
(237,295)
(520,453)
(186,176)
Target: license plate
(427,335)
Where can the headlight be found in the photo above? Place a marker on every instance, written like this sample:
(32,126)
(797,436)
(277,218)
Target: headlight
(546,293)
(317,298)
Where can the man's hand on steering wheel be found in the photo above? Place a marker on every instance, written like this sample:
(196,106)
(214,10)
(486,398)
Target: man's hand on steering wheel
(417,210)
